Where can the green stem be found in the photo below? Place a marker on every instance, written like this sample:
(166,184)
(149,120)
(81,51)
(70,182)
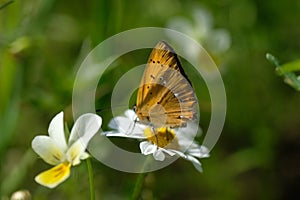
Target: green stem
(140,181)
(91,177)
(6,4)
(138,186)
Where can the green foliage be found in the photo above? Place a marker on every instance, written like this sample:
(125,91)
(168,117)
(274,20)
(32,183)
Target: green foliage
(42,43)
(287,70)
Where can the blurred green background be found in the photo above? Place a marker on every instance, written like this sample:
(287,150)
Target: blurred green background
(42,44)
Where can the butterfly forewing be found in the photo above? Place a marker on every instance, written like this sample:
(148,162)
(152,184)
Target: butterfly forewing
(165,96)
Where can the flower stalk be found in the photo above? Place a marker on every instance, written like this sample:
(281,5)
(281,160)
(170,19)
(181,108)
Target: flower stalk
(137,190)
(138,186)
(91,178)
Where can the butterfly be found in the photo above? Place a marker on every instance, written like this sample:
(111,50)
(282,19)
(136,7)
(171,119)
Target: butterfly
(165,96)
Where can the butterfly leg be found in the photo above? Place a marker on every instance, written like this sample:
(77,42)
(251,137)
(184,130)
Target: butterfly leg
(133,126)
(156,137)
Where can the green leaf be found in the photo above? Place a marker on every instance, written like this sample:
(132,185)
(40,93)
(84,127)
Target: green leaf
(287,71)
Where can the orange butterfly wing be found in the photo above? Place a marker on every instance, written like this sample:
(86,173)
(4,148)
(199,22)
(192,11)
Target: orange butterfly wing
(165,96)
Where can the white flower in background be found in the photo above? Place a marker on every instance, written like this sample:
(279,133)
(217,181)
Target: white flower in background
(166,141)
(200,28)
(54,149)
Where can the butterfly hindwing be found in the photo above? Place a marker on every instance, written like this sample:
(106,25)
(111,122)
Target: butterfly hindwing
(165,96)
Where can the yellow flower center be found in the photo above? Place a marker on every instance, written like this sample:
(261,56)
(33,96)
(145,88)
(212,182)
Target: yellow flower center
(161,137)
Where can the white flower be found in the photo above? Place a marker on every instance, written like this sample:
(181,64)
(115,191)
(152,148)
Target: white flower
(164,142)
(54,149)
(217,41)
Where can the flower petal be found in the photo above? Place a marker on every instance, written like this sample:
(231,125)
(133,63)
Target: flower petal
(84,156)
(125,125)
(130,114)
(56,130)
(76,152)
(180,24)
(147,148)
(159,155)
(128,125)
(54,176)
(195,162)
(115,124)
(48,149)
(168,151)
(85,127)
(188,157)
(204,22)
(199,151)
(117,134)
